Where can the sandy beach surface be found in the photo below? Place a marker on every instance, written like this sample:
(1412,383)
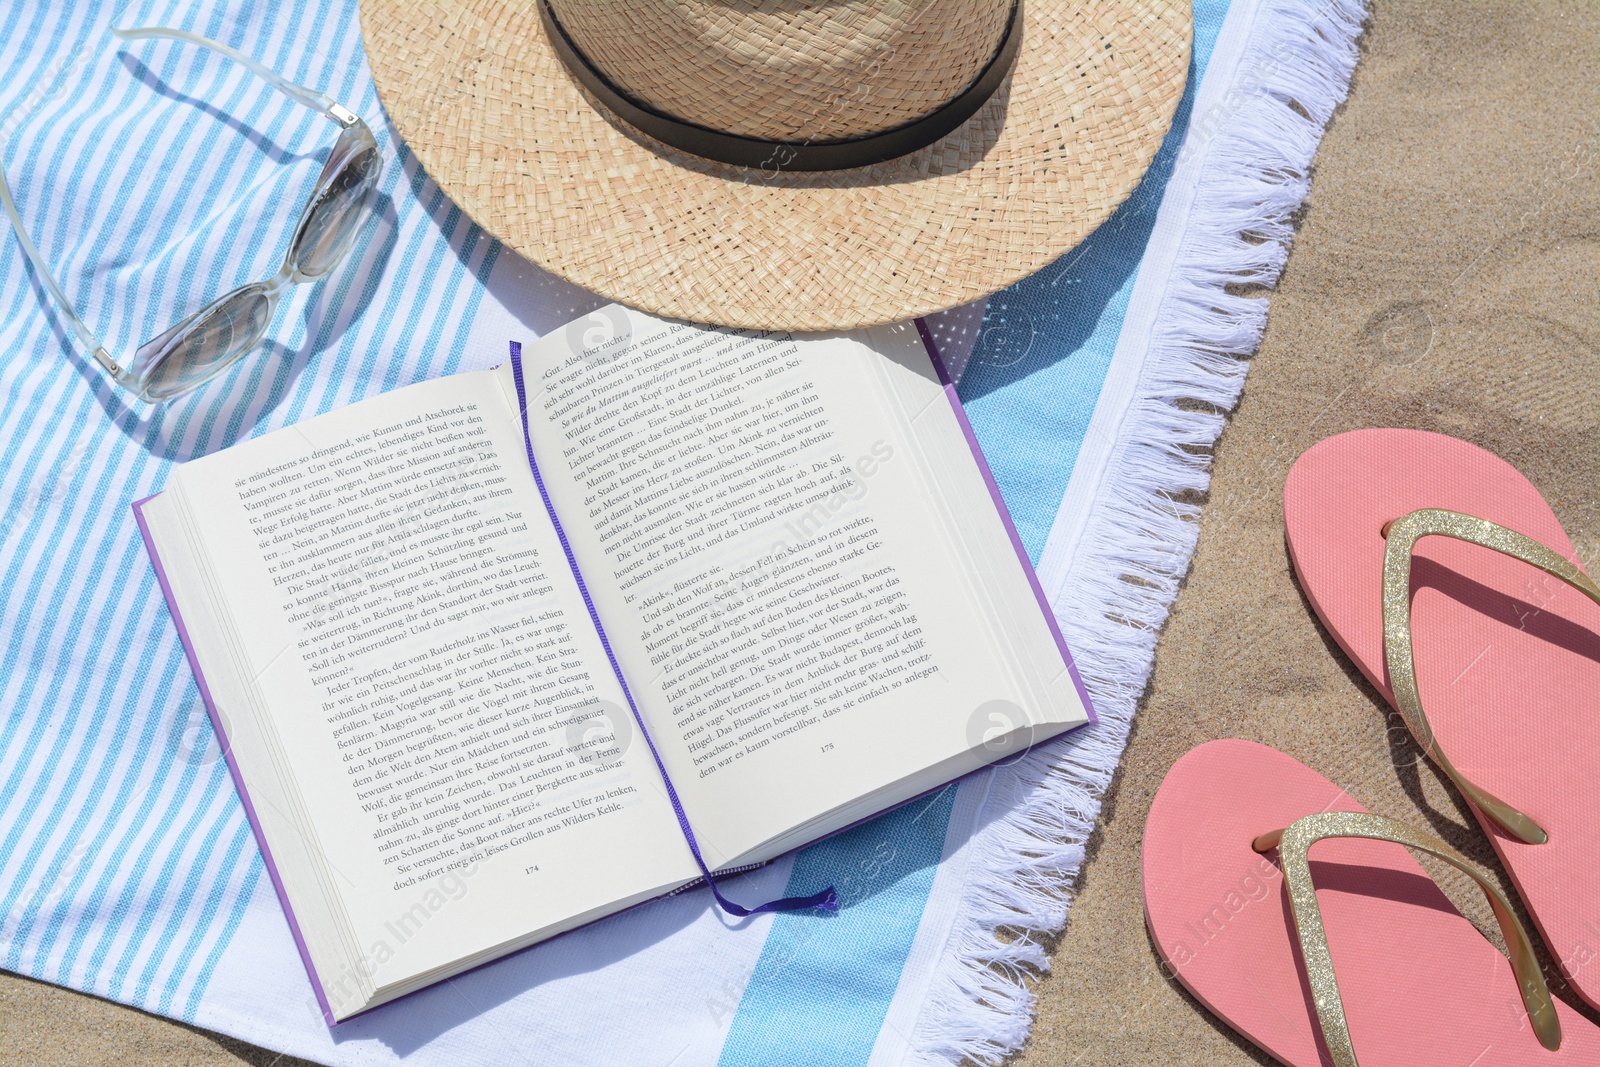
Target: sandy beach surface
(1445,278)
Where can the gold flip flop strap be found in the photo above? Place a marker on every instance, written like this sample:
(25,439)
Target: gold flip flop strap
(1294,845)
(1403,535)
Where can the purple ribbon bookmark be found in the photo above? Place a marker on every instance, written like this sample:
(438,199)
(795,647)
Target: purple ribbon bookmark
(828,899)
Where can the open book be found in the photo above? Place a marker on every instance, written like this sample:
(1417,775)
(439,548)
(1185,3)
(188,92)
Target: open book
(446,633)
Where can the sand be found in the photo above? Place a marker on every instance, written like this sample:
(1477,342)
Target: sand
(1444,278)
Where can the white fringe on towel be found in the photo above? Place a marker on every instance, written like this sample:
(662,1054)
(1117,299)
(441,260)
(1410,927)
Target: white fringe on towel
(1137,545)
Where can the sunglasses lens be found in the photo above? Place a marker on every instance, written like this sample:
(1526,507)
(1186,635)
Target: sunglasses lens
(332,219)
(202,347)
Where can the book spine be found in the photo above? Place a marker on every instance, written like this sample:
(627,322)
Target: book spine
(827,899)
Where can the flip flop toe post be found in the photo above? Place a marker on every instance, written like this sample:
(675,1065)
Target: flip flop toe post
(1296,917)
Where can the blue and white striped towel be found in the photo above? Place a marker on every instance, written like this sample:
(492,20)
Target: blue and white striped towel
(155,176)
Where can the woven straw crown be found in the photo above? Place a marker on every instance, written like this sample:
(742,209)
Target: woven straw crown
(482,93)
(786,71)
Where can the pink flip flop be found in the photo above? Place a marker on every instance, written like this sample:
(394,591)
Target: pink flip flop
(1351,951)
(1497,670)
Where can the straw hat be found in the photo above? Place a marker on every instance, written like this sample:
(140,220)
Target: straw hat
(745,162)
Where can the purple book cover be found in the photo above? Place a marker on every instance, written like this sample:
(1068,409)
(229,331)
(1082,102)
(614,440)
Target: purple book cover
(227,754)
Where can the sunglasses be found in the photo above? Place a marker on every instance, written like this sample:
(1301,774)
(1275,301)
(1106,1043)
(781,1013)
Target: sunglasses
(206,343)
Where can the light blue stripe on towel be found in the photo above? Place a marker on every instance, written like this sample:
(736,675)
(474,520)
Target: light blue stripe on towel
(125,863)
(1032,383)
(822,987)
(130,566)
(157,826)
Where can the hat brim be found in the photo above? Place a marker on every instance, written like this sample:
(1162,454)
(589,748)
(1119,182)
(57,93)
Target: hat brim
(479,95)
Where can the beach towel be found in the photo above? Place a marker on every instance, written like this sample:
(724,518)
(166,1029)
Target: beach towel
(153,176)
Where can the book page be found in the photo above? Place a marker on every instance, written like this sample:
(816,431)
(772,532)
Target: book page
(441,702)
(778,564)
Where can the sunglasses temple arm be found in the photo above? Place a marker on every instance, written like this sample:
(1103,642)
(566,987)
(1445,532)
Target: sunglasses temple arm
(299,93)
(85,335)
